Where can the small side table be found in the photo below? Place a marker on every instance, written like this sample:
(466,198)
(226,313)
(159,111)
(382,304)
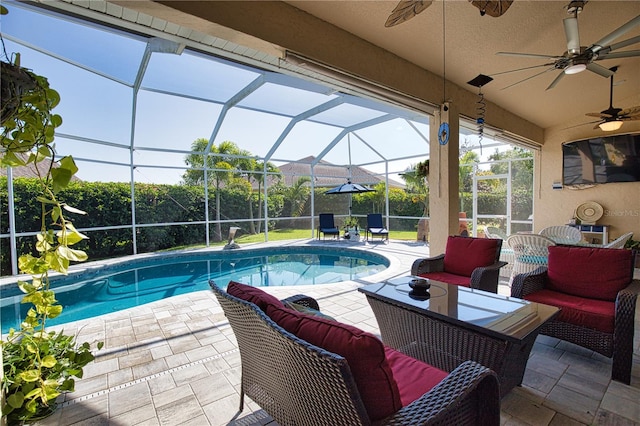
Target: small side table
(602,231)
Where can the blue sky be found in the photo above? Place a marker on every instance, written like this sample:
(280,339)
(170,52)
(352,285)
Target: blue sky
(93,73)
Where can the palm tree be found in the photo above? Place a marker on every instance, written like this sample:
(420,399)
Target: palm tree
(220,164)
(296,195)
(259,176)
(416,178)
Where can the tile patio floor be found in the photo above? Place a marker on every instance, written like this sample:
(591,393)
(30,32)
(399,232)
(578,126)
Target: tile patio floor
(175,362)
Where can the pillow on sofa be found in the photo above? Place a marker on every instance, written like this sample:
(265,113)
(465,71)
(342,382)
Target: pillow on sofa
(363,351)
(405,371)
(253,294)
(307,310)
(464,254)
(594,273)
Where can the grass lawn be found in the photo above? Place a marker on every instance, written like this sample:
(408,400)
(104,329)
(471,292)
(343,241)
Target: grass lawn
(303,234)
(289,234)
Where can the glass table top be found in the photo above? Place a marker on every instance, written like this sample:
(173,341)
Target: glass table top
(508,316)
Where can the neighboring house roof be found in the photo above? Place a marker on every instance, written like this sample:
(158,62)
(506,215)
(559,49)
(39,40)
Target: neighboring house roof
(29,171)
(329,175)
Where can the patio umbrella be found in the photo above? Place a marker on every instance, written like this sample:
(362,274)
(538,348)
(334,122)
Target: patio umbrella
(349,188)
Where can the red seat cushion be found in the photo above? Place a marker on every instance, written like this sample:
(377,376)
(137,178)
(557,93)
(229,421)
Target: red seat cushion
(464,254)
(446,277)
(363,351)
(588,313)
(594,273)
(253,295)
(413,377)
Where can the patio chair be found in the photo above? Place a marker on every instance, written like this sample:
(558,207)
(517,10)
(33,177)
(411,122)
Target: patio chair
(304,369)
(327,226)
(506,254)
(595,290)
(376,227)
(494,232)
(618,243)
(467,261)
(530,252)
(562,234)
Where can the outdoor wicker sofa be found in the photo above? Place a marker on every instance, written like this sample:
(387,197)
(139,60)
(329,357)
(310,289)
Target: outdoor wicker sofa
(467,261)
(595,290)
(298,382)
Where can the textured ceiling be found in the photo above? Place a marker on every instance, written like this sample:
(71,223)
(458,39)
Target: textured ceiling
(468,44)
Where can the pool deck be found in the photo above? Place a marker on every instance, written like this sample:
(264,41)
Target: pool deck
(175,362)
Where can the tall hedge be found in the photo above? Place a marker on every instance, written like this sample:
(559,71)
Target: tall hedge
(109,205)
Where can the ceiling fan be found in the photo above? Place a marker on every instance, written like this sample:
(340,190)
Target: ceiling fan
(578,58)
(612,118)
(407,9)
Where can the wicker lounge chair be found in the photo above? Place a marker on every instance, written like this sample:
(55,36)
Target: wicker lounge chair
(298,383)
(595,289)
(467,261)
(562,234)
(506,253)
(618,243)
(327,225)
(530,252)
(376,227)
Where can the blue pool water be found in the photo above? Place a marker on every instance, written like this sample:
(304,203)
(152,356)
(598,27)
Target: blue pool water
(124,285)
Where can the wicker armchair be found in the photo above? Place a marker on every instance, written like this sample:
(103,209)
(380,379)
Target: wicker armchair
(506,254)
(297,383)
(530,252)
(618,243)
(467,261)
(562,234)
(595,290)
(495,232)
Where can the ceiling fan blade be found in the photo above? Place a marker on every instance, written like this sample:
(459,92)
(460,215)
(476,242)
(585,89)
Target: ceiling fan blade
(597,114)
(619,45)
(494,8)
(556,81)
(618,55)
(531,55)
(529,78)
(581,124)
(631,111)
(600,70)
(519,69)
(631,118)
(406,10)
(572,35)
(606,40)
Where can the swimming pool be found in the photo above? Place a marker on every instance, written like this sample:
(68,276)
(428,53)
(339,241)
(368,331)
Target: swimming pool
(110,288)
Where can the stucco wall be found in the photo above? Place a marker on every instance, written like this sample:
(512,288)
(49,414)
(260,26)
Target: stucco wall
(621,201)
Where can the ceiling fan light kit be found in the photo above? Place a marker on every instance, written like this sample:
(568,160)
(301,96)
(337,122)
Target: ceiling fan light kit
(575,68)
(579,58)
(610,126)
(612,118)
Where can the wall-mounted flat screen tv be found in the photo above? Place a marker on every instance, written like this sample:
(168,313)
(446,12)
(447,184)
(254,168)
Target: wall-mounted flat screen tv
(602,160)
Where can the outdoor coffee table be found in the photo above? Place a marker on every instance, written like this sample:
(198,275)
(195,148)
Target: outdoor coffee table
(453,324)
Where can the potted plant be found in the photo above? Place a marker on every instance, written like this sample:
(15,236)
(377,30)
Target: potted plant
(38,365)
(634,245)
(351,230)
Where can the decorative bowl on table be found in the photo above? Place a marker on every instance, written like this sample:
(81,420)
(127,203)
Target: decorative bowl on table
(419,288)
(419,284)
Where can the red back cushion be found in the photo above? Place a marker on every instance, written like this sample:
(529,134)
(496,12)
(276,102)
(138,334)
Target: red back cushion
(464,254)
(363,351)
(253,295)
(406,370)
(594,273)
